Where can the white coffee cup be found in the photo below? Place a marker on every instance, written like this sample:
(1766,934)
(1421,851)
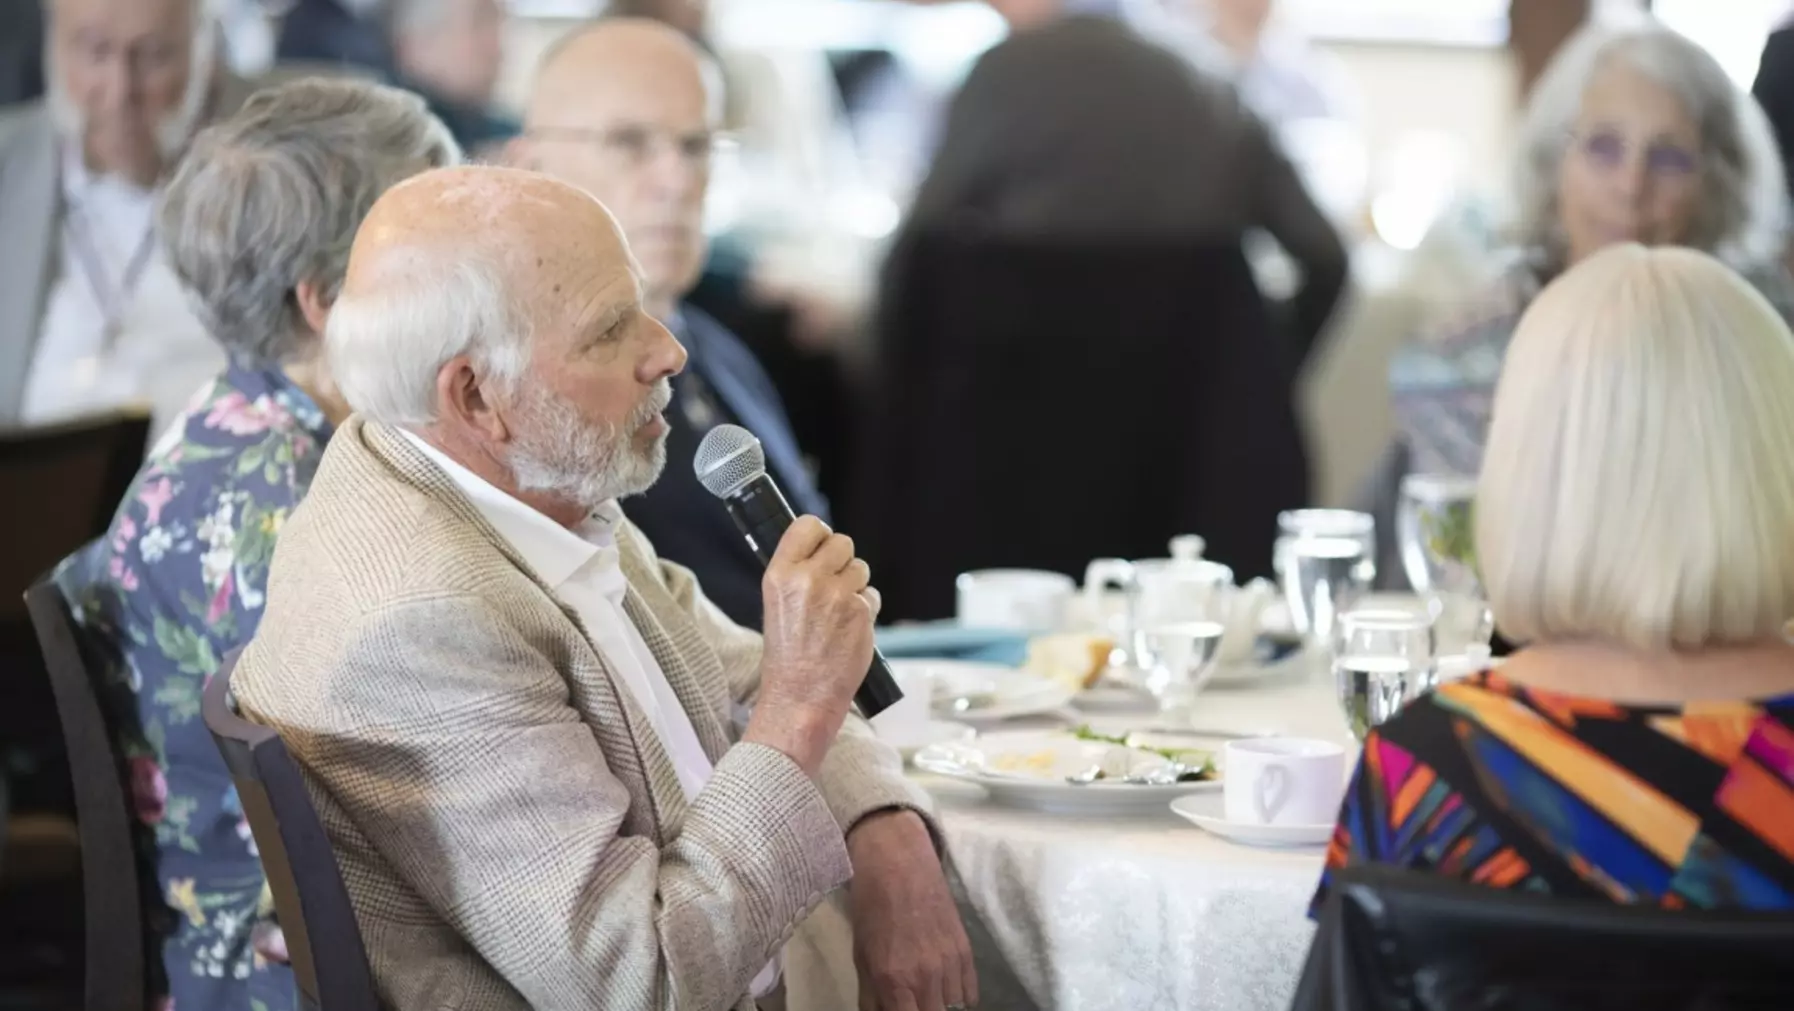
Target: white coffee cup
(1282,781)
(1028,600)
(905,723)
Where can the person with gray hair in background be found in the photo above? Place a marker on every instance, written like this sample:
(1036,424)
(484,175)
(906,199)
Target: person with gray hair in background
(451,52)
(258,224)
(91,316)
(1633,134)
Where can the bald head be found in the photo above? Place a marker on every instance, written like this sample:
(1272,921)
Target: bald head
(498,312)
(611,54)
(626,109)
(538,234)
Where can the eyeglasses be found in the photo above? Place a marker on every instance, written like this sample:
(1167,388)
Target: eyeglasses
(636,146)
(1608,150)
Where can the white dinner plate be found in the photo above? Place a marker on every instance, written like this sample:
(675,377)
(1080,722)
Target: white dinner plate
(1206,811)
(987,692)
(1028,769)
(932,732)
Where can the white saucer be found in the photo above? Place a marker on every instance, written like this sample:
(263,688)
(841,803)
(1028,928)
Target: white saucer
(1204,810)
(933,732)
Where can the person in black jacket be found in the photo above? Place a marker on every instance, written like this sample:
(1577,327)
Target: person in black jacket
(336,31)
(627,109)
(1774,89)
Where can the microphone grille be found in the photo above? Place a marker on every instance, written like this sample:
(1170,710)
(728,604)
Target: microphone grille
(728,457)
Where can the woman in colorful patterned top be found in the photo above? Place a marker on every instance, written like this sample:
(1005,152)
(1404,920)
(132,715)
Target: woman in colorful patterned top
(1635,529)
(258,222)
(1634,134)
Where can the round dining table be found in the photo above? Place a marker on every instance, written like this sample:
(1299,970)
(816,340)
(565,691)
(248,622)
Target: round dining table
(1145,912)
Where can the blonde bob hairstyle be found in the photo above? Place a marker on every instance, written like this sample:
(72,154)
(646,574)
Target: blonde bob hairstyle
(1638,486)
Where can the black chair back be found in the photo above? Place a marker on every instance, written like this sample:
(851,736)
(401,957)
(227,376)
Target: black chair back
(115,939)
(1043,402)
(1394,939)
(329,960)
(59,487)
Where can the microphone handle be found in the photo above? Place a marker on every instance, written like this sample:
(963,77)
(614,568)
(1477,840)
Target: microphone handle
(761,512)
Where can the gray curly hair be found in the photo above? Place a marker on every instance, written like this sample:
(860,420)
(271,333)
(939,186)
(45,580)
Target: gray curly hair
(1743,213)
(273,196)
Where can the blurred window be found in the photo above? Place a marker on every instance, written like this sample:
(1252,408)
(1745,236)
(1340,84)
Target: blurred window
(1440,22)
(1733,30)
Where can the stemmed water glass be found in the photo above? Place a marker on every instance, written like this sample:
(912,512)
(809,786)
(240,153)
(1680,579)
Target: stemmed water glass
(1325,560)
(1435,530)
(1381,659)
(1296,524)
(1181,618)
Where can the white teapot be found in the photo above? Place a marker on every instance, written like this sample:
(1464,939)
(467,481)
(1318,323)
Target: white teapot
(1181,587)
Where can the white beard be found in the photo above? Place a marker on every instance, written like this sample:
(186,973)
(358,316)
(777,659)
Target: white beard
(588,465)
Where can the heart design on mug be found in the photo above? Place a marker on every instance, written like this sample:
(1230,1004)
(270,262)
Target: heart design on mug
(1270,792)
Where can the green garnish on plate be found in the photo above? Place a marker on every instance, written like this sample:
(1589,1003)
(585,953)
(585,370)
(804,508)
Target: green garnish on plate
(1200,761)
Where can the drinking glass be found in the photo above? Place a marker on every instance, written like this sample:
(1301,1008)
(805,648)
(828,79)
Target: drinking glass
(1432,524)
(1182,655)
(1296,524)
(1178,623)
(1434,528)
(1381,659)
(1323,576)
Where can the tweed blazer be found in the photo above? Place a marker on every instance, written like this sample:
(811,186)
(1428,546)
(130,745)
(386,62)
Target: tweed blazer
(507,822)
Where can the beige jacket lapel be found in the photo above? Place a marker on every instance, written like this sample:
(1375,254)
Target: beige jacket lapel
(685,658)
(665,794)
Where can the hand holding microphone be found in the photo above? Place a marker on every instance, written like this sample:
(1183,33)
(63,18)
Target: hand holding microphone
(819,607)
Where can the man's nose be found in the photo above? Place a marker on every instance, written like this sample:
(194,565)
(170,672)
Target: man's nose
(672,172)
(666,356)
(116,82)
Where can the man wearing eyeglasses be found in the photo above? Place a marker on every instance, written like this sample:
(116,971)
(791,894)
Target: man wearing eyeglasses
(628,110)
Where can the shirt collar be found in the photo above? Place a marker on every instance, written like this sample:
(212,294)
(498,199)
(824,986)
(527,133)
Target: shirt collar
(553,551)
(75,177)
(78,182)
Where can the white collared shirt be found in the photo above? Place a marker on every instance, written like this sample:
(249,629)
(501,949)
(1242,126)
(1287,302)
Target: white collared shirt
(161,353)
(583,569)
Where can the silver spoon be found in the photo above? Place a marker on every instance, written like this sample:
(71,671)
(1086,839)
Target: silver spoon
(1163,775)
(1085,777)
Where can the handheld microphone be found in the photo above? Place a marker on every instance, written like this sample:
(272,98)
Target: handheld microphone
(732,466)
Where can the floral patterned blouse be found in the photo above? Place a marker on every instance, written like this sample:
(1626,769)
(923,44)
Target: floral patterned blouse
(176,584)
(1442,386)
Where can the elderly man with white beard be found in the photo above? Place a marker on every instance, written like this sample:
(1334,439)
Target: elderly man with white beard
(91,316)
(554,774)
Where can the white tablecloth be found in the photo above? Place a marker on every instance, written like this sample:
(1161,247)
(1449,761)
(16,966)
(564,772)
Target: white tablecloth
(1147,913)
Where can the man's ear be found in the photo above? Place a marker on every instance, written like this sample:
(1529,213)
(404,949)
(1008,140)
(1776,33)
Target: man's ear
(463,400)
(313,304)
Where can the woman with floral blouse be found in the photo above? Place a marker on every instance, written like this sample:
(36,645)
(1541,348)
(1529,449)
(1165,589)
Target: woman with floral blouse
(257,222)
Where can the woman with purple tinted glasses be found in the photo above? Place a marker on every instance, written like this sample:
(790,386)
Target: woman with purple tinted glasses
(1633,134)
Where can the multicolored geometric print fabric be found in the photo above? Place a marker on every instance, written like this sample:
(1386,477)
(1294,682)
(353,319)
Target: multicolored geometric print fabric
(1512,787)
